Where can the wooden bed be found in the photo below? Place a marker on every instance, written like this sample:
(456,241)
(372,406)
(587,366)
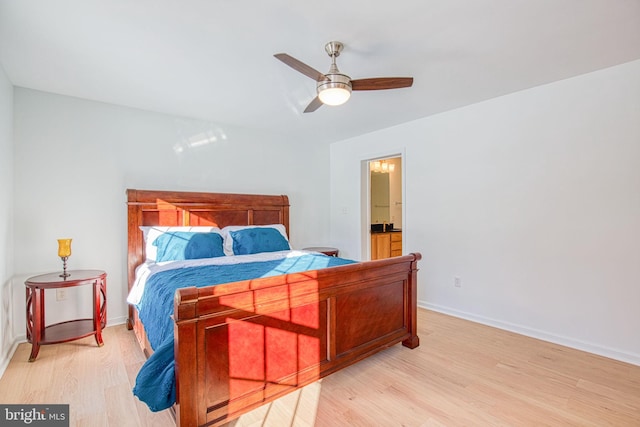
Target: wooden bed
(242,344)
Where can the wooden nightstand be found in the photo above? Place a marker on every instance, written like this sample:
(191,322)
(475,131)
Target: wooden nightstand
(38,334)
(323,249)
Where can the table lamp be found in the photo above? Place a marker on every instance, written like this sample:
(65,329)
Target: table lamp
(64,251)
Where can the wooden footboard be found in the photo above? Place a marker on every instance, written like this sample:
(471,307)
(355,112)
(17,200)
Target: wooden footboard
(242,344)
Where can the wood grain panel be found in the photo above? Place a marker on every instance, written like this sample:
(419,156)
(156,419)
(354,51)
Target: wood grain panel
(264,355)
(369,314)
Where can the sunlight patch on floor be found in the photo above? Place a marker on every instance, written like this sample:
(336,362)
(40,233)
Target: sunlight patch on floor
(296,409)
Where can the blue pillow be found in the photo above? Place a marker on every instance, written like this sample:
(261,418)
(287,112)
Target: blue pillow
(260,239)
(181,245)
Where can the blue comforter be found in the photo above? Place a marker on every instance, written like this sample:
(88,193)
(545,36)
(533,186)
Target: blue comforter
(155,384)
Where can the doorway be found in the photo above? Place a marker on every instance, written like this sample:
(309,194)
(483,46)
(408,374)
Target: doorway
(385,213)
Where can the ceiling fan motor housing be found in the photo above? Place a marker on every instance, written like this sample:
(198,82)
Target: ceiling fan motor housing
(341,81)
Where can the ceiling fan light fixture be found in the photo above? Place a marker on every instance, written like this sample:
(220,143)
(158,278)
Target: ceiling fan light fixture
(336,91)
(334,95)
(334,88)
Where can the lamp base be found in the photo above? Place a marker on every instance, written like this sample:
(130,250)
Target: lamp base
(64,274)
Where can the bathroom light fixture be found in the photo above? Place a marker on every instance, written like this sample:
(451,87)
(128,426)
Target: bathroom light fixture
(382,166)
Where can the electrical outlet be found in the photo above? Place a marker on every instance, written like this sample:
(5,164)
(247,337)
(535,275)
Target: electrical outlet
(457,282)
(61,294)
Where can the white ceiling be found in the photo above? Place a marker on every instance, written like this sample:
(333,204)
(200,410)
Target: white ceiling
(213,59)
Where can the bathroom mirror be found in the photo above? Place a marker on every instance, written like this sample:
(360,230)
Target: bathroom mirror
(386,192)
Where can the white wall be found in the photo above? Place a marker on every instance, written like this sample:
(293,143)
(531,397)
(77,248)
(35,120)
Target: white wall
(75,158)
(532,199)
(395,193)
(6,218)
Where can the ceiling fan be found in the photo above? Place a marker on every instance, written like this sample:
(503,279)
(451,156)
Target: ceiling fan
(334,88)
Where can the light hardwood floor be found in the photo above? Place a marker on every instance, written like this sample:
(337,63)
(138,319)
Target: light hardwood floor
(463,374)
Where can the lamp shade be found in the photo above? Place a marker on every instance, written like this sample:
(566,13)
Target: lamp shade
(64,247)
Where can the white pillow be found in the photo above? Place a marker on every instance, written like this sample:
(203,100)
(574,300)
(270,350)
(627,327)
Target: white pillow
(228,240)
(151,233)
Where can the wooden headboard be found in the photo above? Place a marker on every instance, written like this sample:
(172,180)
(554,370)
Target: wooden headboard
(174,208)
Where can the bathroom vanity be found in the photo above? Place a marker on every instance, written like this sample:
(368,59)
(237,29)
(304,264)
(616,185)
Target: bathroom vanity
(386,241)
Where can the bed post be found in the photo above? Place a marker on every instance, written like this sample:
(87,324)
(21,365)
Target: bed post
(413,341)
(134,248)
(186,356)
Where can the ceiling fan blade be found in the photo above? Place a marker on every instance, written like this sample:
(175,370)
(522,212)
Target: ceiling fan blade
(301,67)
(313,105)
(379,83)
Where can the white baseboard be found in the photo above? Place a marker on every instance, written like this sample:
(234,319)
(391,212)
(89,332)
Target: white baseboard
(117,321)
(6,358)
(535,333)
